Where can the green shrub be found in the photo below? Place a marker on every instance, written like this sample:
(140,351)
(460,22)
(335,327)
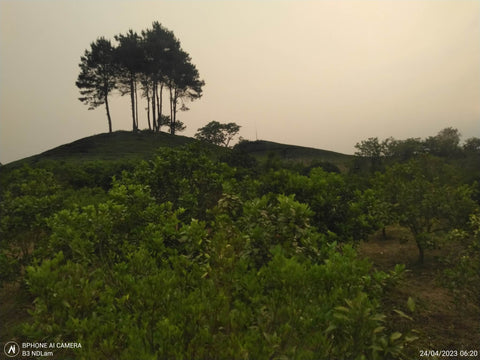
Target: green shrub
(127,278)
(335,204)
(30,197)
(462,274)
(185,177)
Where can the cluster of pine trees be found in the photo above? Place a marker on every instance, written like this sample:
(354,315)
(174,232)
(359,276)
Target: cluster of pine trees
(152,62)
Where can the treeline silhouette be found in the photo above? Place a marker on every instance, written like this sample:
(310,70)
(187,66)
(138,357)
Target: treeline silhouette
(374,155)
(146,64)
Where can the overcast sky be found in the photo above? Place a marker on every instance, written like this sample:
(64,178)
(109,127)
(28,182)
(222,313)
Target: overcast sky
(324,74)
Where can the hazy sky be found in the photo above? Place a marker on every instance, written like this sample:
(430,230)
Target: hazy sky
(324,74)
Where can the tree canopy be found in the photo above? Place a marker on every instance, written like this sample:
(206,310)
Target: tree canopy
(426,196)
(217,133)
(153,61)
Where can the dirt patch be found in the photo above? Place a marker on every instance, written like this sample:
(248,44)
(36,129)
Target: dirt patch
(444,322)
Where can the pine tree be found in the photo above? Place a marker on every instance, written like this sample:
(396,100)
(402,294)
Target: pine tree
(98,75)
(130,58)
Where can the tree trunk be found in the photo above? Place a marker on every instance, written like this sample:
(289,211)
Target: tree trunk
(173,110)
(132,102)
(148,108)
(159,117)
(136,103)
(421,255)
(154,90)
(108,115)
(160,105)
(174,122)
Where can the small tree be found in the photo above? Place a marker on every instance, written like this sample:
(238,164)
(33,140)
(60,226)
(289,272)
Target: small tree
(218,134)
(424,196)
(445,143)
(403,150)
(371,150)
(472,145)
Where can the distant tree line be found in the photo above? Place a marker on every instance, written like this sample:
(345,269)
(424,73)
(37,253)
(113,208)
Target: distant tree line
(375,154)
(150,63)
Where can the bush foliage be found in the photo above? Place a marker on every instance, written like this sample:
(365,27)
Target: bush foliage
(189,258)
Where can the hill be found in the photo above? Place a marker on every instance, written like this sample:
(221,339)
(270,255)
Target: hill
(262,149)
(117,145)
(126,145)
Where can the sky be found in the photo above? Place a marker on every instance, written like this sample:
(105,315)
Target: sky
(325,74)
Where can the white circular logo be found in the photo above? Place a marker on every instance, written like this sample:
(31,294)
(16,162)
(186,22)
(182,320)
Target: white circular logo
(11,349)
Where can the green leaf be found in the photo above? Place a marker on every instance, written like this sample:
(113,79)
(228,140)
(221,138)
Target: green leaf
(378,329)
(330,329)
(378,317)
(402,314)
(395,336)
(340,316)
(411,304)
(411,338)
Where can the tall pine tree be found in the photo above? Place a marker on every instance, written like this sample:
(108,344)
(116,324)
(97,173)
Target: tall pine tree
(98,75)
(130,58)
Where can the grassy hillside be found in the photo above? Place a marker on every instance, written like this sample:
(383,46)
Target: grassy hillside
(118,145)
(126,145)
(262,149)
